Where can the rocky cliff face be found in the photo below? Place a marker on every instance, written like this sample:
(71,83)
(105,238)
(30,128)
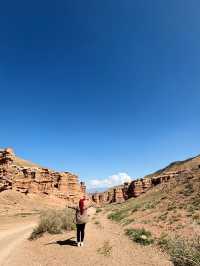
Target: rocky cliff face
(135,188)
(37,180)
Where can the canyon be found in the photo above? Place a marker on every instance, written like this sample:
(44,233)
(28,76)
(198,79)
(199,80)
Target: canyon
(140,186)
(19,175)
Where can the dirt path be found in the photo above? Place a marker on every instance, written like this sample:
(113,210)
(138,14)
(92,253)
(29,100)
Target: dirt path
(55,250)
(11,238)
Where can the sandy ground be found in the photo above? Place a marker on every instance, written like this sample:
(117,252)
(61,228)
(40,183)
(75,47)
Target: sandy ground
(46,251)
(9,240)
(13,232)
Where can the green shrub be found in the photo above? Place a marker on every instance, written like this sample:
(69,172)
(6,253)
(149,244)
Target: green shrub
(117,216)
(149,205)
(53,222)
(140,236)
(67,219)
(37,233)
(163,241)
(98,210)
(183,252)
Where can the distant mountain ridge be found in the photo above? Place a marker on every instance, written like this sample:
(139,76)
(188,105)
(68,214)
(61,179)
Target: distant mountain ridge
(190,163)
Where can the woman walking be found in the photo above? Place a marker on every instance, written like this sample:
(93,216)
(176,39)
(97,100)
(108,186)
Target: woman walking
(81,218)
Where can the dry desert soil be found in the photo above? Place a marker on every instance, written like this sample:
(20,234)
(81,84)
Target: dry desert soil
(105,244)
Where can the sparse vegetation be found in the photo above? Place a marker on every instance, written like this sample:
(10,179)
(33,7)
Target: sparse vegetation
(179,226)
(128,221)
(174,218)
(53,222)
(118,215)
(183,252)
(160,210)
(195,202)
(171,206)
(191,210)
(135,208)
(140,236)
(97,223)
(98,210)
(163,216)
(163,241)
(106,249)
(146,222)
(188,189)
(196,218)
(149,205)
(132,206)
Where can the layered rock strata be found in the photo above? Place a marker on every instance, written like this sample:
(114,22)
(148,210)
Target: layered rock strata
(38,180)
(135,188)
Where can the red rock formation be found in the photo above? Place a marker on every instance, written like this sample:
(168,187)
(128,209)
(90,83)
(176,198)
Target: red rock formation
(95,198)
(118,195)
(134,189)
(125,190)
(38,180)
(83,188)
(146,184)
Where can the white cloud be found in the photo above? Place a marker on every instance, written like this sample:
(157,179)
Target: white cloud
(113,180)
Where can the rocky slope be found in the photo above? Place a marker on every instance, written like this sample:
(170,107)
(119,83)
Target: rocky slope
(139,186)
(171,208)
(20,175)
(191,163)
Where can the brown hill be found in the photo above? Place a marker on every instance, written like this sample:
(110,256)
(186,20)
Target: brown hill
(191,163)
(171,208)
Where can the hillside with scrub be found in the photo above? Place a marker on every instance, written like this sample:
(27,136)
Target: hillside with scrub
(158,227)
(167,216)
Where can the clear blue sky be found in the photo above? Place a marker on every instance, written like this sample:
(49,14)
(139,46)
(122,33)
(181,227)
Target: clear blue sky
(100,87)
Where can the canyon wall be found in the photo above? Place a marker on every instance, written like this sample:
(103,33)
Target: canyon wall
(38,180)
(134,189)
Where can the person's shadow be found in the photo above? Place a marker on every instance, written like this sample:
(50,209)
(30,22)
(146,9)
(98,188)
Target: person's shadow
(67,242)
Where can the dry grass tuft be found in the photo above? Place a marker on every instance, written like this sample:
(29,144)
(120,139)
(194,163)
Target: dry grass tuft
(106,249)
(182,252)
(141,236)
(53,222)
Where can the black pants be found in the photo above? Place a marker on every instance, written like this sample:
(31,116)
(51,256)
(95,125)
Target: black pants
(80,232)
